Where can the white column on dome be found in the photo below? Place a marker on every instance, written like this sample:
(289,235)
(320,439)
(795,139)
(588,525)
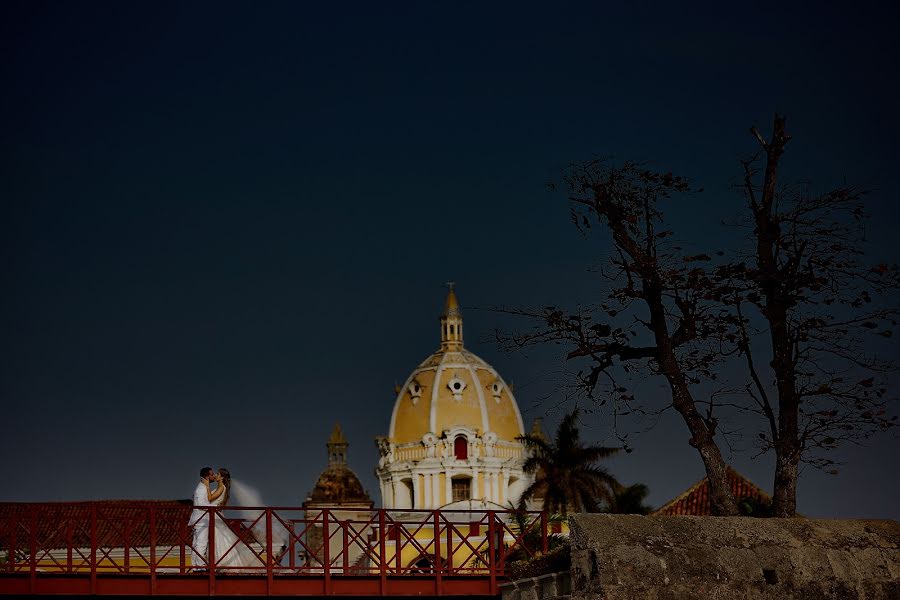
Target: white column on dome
(395,492)
(495,486)
(448,486)
(428,487)
(504,488)
(475,494)
(414,501)
(435,489)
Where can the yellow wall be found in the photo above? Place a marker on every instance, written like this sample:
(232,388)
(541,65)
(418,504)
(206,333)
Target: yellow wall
(413,421)
(451,412)
(502,416)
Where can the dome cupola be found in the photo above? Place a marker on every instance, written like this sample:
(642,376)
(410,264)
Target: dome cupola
(453,430)
(338,485)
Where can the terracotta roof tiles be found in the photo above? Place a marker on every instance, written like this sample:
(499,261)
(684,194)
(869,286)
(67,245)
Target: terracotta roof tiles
(695,500)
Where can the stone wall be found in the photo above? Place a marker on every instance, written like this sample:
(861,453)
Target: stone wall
(553,586)
(616,557)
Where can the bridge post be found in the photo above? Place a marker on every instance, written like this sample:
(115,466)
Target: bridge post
(126,528)
(345,545)
(93,549)
(326,550)
(492,539)
(270,565)
(438,575)
(152,551)
(32,552)
(70,533)
(11,551)
(211,551)
(382,550)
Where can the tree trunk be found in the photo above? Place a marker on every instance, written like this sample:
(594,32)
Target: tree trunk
(786,439)
(721,498)
(784,502)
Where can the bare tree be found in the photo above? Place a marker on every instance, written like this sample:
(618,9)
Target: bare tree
(822,306)
(800,309)
(661,311)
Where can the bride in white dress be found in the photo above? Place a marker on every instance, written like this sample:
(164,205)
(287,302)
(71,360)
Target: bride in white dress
(233,555)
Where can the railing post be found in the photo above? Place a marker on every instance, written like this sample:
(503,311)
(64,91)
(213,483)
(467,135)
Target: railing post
(152,550)
(182,562)
(32,549)
(292,537)
(211,551)
(93,549)
(345,544)
(70,526)
(492,540)
(382,551)
(438,574)
(450,547)
(127,530)
(544,525)
(326,550)
(11,552)
(397,548)
(270,564)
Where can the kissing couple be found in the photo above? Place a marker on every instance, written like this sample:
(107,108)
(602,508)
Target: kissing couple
(230,551)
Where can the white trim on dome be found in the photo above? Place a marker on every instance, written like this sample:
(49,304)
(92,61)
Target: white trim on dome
(485,424)
(399,399)
(470,362)
(509,392)
(432,418)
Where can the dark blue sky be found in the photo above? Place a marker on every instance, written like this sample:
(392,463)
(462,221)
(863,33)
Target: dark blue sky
(226,226)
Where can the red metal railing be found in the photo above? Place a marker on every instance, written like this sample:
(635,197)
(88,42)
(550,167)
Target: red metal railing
(151,548)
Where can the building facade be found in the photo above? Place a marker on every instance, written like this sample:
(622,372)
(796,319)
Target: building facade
(452,436)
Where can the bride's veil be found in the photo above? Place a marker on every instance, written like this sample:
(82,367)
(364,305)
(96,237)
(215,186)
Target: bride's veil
(244,495)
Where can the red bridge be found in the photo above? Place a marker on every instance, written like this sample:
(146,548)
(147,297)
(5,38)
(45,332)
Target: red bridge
(145,548)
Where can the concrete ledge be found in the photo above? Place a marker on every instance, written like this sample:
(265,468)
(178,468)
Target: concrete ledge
(628,556)
(545,587)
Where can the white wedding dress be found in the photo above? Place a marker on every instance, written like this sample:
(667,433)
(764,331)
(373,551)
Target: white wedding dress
(233,555)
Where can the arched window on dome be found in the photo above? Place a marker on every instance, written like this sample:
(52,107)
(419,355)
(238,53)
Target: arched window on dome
(461,447)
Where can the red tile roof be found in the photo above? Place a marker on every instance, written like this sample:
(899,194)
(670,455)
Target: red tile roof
(119,523)
(695,500)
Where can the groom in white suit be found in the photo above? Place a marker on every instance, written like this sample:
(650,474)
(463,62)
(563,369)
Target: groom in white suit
(200,519)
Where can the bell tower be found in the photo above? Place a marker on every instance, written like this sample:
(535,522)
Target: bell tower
(337,447)
(451,322)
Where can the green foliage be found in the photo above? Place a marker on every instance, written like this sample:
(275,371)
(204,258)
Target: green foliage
(555,560)
(567,476)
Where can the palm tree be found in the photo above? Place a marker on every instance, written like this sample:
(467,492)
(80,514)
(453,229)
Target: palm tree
(566,473)
(629,500)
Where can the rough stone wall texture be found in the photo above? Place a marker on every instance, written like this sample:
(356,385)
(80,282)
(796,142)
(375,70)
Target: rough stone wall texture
(553,586)
(615,557)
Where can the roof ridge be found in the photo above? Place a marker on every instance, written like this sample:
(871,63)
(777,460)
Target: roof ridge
(682,495)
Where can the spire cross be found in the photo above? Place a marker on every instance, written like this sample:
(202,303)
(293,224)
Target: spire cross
(450,285)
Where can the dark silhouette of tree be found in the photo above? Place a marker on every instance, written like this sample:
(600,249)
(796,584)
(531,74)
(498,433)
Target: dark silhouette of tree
(659,311)
(629,500)
(800,308)
(822,305)
(567,475)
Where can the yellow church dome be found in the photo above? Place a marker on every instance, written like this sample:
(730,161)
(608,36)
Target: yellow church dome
(454,389)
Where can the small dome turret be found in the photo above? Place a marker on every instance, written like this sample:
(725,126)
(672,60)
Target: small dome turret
(338,485)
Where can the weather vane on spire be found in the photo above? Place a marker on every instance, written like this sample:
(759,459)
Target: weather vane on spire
(450,285)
